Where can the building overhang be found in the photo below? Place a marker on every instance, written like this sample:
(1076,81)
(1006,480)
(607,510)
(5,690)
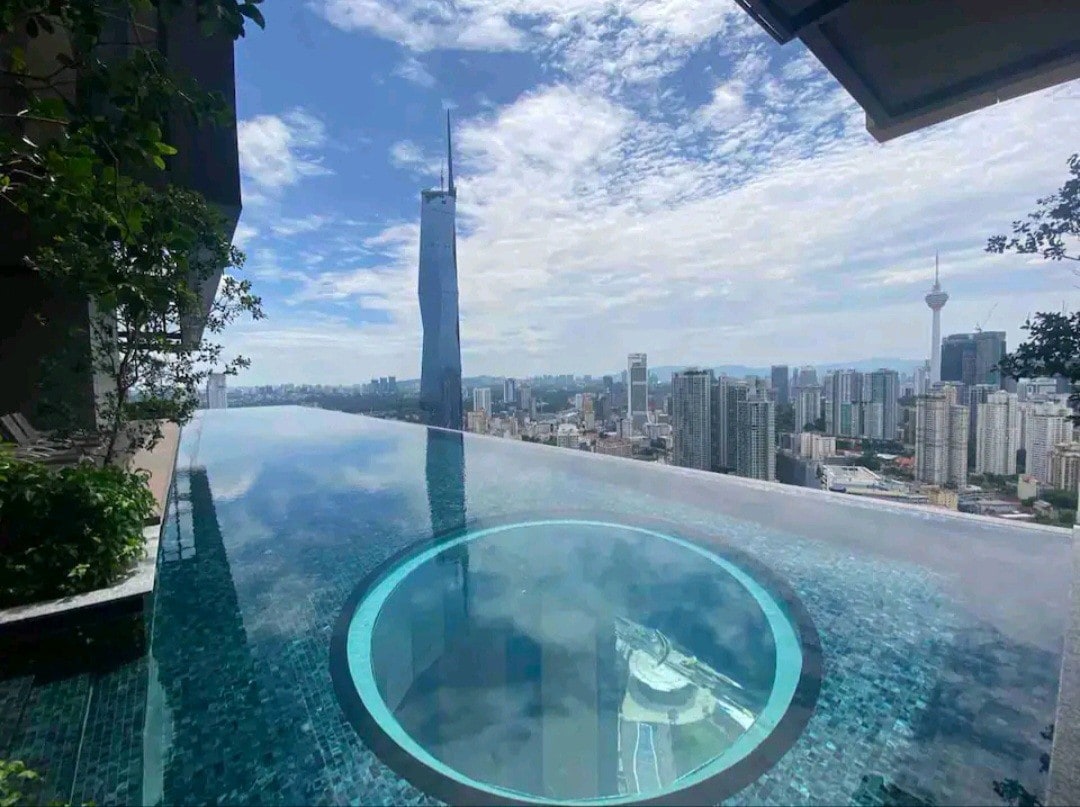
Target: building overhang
(914,63)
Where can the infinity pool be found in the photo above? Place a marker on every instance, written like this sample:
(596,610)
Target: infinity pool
(351,610)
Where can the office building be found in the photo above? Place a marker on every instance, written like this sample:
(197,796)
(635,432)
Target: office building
(481,399)
(972,358)
(807,377)
(1065,467)
(756,439)
(691,393)
(510,393)
(941,438)
(216,397)
(440,370)
(807,406)
(637,389)
(936,300)
(780,380)
(997,436)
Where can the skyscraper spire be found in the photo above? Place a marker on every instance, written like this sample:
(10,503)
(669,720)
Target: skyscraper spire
(449,158)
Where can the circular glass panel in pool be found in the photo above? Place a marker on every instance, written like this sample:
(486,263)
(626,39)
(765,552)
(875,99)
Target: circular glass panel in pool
(571,660)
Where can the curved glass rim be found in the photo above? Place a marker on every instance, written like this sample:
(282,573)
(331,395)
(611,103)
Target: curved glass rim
(788,668)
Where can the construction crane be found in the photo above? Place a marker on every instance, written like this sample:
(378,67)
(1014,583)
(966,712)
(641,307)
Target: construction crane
(986,319)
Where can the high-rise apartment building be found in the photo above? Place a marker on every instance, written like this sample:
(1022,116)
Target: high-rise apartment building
(510,391)
(940,438)
(1065,467)
(780,380)
(216,395)
(726,396)
(845,395)
(440,370)
(637,389)
(807,377)
(756,439)
(481,399)
(997,434)
(884,391)
(691,393)
(1045,425)
(807,406)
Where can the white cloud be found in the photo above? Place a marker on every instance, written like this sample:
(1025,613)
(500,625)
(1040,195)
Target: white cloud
(277,151)
(287,227)
(243,235)
(599,215)
(589,231)
(412,69)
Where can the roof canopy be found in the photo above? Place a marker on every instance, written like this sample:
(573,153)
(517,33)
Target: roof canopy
(913,63)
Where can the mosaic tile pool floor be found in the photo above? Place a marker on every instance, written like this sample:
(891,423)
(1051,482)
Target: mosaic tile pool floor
(940,635)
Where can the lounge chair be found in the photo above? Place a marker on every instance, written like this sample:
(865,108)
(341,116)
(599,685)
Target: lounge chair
(80,440)
(42,450)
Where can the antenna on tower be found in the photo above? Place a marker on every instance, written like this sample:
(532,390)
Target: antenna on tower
(442,167)
(449,157)
(937,281)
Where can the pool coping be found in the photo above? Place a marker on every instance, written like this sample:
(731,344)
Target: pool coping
(1063,787)
(130,594)
(844,500)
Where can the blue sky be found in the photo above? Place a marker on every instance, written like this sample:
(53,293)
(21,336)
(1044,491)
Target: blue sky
(633,175)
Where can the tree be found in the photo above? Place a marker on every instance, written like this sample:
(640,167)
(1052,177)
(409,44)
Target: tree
(81,168)
(1053,232)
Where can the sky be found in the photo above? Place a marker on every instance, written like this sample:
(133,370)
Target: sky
(633,175)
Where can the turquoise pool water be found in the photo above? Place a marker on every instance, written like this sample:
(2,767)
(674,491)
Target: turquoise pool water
(935,640)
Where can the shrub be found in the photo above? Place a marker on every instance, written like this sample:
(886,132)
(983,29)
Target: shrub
(68,531)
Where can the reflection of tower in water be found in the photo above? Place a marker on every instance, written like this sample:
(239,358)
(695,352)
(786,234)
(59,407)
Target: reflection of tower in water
(444,470)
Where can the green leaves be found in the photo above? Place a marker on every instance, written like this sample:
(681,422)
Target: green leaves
(68,531)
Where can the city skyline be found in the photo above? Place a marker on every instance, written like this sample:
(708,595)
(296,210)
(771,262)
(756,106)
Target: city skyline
(701,192)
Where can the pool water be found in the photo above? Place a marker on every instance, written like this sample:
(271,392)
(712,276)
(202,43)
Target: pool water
(575,660)
(620,659)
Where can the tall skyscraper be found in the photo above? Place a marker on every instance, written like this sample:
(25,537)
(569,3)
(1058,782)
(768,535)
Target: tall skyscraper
(726,395)
(780,380)
(972,358)
(216,396)
(807,406)
(885,390)
(940,438)
(481,399)
(691,393)
(440,370)
(637,389)
(997,434)
(510,391)
(756,440)
(936,300)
